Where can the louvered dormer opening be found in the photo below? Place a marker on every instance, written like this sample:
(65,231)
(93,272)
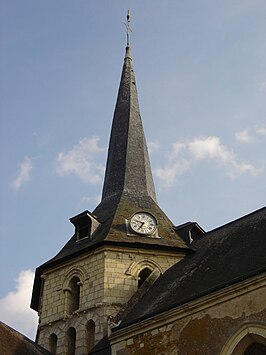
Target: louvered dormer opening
(85,225)
(83,231)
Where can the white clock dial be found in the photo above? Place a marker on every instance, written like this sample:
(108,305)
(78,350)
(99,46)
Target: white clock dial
(143,223)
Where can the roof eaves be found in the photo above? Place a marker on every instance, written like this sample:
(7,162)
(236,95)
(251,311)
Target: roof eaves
(189,299)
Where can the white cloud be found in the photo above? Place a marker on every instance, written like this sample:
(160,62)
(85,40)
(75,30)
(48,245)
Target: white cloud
(244,136)
(184,155)
(153,147)
(171,170)
(94,201)
(24,173)
(80,161)
(210,148)
(240,168)
(262,85)
(15,306)
(261,130)
(175,166)
(178,147)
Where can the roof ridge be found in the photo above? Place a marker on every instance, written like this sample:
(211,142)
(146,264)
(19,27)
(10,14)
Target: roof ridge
(235,220)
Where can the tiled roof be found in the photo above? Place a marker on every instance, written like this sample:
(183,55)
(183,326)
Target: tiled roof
(222,257)
(14,343)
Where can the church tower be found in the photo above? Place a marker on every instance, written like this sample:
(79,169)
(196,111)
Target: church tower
(126,241)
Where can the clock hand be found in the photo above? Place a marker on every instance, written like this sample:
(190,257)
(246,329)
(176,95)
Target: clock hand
(141,224)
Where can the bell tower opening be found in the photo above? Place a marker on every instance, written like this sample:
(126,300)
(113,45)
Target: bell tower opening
(53,343)
(71,341)
(74,294)
(90,334)
(143,275)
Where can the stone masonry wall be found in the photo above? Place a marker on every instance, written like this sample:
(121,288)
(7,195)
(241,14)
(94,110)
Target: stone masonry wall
(108,278)
(54,317)
(204,332)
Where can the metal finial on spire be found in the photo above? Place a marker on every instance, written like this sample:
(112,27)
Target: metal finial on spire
(127,24)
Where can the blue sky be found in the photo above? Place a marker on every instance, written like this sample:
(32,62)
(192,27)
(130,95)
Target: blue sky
(201,78)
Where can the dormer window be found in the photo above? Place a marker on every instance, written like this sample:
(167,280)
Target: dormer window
(83,229)
(189,232)
(85,225)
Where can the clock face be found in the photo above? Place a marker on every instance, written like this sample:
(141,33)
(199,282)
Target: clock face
(143,223)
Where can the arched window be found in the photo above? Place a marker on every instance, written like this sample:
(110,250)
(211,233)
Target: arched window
(250,339)
(71,341)
(143,275)
(90,334)
(255,349)
(74,297)
(53,343)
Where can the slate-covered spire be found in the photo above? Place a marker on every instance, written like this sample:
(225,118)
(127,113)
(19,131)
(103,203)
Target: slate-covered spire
(128,188)
(128,168)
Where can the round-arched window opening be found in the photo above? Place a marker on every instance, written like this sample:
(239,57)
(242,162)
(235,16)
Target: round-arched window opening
(90,334)
(74,286)
(71,341)
(53,343)
(143,275)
